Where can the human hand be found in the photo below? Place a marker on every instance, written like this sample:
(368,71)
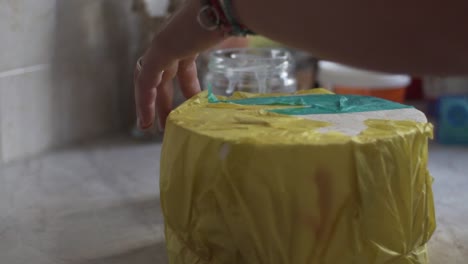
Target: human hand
(153,77)
(172,54)
(186,72)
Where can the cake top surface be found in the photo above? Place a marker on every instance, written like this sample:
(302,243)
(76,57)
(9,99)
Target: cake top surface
(309,117)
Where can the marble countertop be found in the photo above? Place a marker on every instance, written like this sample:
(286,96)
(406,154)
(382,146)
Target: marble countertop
(98,203)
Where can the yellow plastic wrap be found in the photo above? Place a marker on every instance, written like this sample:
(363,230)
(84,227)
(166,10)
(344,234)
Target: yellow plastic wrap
(241,185)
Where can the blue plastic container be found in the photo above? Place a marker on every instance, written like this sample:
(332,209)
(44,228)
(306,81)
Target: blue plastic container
(452,123)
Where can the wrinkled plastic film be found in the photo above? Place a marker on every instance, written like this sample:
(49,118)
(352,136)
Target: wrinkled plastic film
(307,104)
(240,184)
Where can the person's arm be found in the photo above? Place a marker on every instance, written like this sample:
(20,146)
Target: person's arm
(172,53)
(411,36)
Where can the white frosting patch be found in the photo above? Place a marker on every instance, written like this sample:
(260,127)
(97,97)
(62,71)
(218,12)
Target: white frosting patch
(352,124)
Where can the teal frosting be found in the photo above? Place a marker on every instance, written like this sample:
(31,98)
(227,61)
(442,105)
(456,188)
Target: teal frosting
(317,103)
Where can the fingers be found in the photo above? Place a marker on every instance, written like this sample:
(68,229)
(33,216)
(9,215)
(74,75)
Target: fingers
(164,102)
(154,88)
(188,78)
(146,81)
(145,95)
(165,94)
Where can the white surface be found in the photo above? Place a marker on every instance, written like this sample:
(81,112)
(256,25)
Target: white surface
(96,204)
(157,8)
(28,114)
(331,74)
(99,204)
(65,72)
(352,124)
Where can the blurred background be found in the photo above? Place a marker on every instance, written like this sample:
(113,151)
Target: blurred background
(78,182)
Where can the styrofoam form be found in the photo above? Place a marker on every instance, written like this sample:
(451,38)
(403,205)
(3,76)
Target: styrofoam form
(352,124)
(331,74)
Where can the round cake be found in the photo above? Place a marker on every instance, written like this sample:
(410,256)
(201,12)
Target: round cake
(310,178)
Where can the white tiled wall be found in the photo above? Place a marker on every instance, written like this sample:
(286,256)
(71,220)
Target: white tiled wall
(26,28)
(65,72)
(28,114)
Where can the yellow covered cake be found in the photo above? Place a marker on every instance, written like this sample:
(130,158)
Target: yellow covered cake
(312,178)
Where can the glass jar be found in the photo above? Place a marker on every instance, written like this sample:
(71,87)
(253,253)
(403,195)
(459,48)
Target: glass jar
(250,70)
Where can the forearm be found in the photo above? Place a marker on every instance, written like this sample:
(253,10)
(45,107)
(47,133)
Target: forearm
(183,36)
(419,37)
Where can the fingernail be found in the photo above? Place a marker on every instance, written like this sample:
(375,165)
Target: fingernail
(143,126)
